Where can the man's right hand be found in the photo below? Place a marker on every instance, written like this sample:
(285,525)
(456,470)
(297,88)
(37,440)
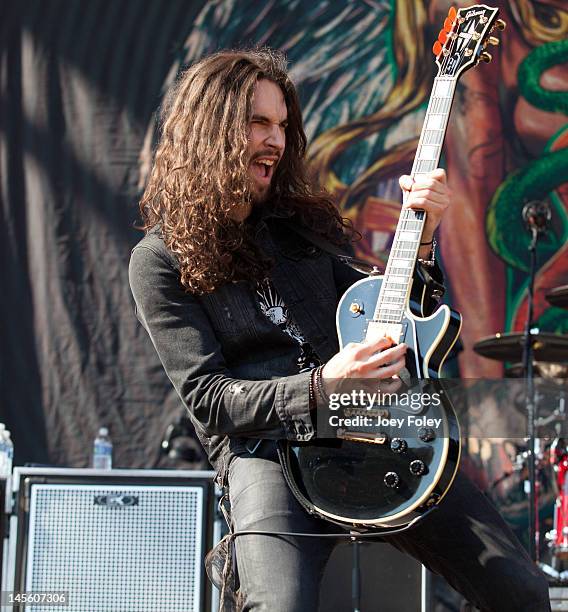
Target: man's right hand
(378,359)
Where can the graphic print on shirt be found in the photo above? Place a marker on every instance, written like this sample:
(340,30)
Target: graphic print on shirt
(276,311)
(273,307)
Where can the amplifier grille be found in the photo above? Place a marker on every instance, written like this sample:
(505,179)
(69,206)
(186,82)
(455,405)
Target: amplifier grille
(117,548)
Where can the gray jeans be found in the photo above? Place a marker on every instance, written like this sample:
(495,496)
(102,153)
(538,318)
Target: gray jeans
(466,541)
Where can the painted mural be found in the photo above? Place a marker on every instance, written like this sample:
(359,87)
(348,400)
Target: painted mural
(364,72)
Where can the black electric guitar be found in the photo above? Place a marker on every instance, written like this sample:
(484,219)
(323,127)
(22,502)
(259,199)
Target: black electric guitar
(384,476)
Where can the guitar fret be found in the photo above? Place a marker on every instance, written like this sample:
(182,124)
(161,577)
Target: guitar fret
(395,293)
(406,238)
(405,282)
(397,271)
(429,152)
(406,245)
(408,235)
(433,137)
(407,254)
(435,122)
(424,166)
(392,299)
(388,306)
(440,105)
(411,225)
(412,215)
(389,282)
(402,263)
(400,295)
(443,88)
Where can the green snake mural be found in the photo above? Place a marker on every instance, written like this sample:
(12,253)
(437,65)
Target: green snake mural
(538,180)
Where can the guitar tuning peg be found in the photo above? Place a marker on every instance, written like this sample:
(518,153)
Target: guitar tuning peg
(437,48)
(486,57)
(500,24)
(492,40)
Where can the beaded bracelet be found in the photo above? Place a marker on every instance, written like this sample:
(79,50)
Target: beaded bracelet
(318,385)
(312,402)
(431,262)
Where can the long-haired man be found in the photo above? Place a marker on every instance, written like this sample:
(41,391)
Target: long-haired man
(241,309)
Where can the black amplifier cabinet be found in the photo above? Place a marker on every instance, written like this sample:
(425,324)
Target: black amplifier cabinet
(113,541)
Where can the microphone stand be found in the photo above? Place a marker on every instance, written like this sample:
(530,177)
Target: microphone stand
(534,534)
(536,215)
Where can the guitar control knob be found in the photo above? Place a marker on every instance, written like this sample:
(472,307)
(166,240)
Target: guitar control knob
(391,480)
(355,308)
(398,445)
(417,467)
(426,434)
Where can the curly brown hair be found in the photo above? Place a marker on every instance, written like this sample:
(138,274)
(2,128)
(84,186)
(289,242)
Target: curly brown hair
(200,170)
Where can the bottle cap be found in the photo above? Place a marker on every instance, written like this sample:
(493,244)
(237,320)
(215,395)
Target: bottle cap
(103,431)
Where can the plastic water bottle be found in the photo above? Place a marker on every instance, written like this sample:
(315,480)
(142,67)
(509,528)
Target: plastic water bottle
(6,452)
(9,450)
(102,451)
(3,453)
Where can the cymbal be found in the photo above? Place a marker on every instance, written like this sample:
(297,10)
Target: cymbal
(558,296)
(541,369)
(553,372)
(509,347)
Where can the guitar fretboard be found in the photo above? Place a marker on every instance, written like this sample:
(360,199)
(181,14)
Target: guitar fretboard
(395,290)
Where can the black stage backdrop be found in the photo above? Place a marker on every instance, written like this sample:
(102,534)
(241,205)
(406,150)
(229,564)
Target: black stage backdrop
(79,83)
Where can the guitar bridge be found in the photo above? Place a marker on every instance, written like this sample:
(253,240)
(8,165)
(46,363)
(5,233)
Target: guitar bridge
(362,436)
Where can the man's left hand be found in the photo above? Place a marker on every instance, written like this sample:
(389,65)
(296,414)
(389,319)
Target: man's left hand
(429,193)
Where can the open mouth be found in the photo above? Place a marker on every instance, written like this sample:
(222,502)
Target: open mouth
(263,168)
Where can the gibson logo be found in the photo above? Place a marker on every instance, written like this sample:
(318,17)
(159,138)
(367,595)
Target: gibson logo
(471,14)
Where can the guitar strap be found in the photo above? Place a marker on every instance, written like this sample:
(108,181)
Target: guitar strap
(335,251)
(432,277)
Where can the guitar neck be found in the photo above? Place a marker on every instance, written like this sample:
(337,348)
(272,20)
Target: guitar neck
(397,282)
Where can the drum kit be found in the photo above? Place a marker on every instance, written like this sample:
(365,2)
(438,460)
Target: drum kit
(546,392)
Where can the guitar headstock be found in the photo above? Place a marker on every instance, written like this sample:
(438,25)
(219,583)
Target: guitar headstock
(462,41)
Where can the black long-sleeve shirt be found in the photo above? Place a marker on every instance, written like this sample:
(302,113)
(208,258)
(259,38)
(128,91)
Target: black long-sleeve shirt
(234,370)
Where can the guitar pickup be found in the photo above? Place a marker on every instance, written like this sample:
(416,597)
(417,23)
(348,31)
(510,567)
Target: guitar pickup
(362,436)
(374,413)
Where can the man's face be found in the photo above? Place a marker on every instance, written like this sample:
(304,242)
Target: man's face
(266,136)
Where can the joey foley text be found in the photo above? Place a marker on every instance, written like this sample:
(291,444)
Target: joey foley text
(363,400)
